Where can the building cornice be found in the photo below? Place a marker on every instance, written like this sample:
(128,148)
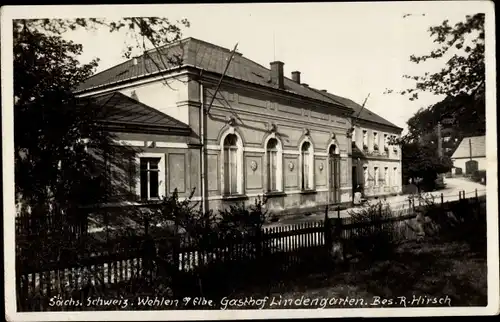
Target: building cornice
(143,128)
(212,78)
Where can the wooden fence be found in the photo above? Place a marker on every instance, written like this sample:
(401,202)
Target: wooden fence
(51,221)
(278,248)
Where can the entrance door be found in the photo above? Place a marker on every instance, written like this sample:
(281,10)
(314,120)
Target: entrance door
(354,177)
(334,160)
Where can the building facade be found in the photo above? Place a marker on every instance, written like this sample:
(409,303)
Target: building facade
(470,149)
(261,134)
(376,163)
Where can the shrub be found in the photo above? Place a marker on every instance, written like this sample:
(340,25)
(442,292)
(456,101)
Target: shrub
(375,235)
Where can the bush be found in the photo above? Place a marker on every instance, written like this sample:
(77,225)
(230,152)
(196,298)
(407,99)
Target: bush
(375,235)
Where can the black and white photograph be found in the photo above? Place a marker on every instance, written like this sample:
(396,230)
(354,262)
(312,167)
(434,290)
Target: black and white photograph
(252,160)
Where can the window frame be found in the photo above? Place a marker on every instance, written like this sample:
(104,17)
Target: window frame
(162,175)
(278,175)
(365,139)
(239,147)
(310,171)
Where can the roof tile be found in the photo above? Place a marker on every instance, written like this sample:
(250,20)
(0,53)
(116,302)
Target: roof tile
(117,107)
(200,54)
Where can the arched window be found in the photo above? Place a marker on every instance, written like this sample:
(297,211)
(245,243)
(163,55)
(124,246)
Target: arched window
(307,155)
(231,164)
(273,165)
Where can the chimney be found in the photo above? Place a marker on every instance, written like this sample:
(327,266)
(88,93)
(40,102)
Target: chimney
(277,76)
(296,76)
(324,91)
(306,85)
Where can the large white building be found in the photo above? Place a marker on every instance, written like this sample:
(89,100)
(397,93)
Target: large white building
(261,134)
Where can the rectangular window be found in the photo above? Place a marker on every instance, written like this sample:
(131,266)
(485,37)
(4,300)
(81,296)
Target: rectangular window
(376,175)
(365,176)
(353,138)
(386,142)
(386,176)
(395,177)
(149,178)
(365,140)
(375,141)
(273,158)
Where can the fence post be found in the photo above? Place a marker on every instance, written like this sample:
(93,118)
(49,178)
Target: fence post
(327,233)
(335,246)
(259,243)
(478,206)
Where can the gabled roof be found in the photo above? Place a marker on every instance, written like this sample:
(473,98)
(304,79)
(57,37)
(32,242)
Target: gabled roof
(199,54)
(118,109)
(476,148)
(360,112)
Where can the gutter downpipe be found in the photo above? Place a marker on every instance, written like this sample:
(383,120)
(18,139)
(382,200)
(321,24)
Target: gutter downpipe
(202,139)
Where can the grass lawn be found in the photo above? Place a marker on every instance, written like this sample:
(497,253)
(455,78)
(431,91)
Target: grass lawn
(431,268)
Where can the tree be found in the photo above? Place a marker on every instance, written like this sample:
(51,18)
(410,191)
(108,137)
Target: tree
(466,121)
(420,161)
(461,80)
(62,153)
(53,129)
(464,71)
(461,113)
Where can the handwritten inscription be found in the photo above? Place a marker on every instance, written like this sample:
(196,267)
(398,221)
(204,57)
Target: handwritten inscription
(251,302)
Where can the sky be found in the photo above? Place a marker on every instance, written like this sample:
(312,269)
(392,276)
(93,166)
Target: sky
(349,49)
